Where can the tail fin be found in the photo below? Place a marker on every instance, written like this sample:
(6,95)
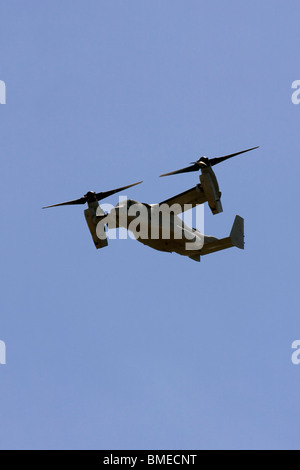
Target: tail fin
(237,233)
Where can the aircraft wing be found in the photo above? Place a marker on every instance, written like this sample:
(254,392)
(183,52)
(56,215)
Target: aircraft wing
(192,197)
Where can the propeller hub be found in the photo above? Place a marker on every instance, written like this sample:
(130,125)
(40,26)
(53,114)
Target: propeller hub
(204,162)
(90,196)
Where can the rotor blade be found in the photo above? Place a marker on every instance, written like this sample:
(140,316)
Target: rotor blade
(105,194)
(194,167)
(97,196)
(82,200)
(215,161)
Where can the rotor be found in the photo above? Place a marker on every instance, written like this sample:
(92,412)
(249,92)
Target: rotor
(91,197)
(205,162)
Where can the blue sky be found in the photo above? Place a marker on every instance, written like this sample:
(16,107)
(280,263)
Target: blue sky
(126,347)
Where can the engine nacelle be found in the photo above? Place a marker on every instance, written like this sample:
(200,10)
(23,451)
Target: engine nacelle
(211,189)
(91,214)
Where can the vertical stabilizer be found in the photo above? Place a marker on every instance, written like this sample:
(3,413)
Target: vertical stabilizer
(237,233)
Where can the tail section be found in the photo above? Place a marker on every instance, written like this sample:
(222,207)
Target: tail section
(236,238)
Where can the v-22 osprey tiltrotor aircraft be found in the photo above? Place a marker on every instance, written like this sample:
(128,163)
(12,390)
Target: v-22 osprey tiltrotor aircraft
(164,230)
